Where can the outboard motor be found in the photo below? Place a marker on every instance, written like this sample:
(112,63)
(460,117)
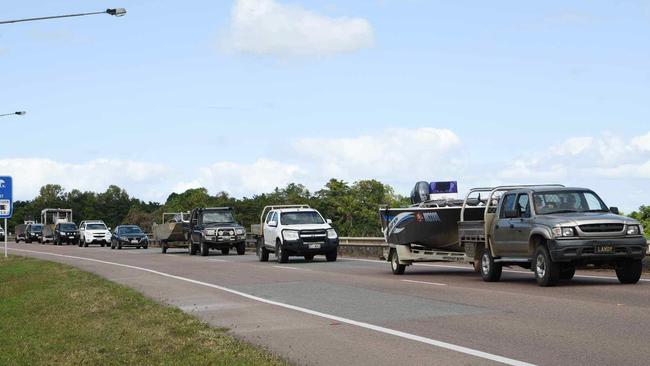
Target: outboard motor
(420,192)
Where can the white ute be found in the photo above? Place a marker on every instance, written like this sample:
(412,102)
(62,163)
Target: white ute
(295,230)
(94,232)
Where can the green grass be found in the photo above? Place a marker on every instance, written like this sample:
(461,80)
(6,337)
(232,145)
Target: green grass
(55,314)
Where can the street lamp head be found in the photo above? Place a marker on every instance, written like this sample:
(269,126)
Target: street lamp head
(21,113)
(118,12)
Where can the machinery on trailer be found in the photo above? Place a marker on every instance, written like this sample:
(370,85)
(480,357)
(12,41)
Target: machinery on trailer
(173,231)
(49,218)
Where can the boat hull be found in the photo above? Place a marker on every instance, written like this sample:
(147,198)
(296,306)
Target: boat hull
(433,228)
(171,231)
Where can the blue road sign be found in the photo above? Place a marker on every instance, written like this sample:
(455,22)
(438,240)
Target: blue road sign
(6,198)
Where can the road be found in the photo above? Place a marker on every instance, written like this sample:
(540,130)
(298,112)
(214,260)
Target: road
(355,312)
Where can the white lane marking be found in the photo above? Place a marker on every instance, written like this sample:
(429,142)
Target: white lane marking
(294,268)
(218,260)
(376,328)
(426,283)
(505,270)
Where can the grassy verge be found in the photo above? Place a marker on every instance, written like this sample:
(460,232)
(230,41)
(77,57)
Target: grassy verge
(55,314)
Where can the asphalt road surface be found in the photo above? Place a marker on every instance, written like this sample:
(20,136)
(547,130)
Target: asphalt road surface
(356,312)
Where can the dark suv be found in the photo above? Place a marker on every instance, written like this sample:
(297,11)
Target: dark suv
(65,232)
(215,228)
(33,232)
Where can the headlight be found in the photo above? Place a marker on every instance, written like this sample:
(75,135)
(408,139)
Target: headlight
(210,232)
(331,234)
(290,235)
(564,232)
(633,230)
(220,232)
(240,231)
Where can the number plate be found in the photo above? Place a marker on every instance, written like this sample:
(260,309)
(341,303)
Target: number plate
(314,246)
(134,241)
(604,249)
(225,237)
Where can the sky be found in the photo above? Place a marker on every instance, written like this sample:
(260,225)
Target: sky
(245,95)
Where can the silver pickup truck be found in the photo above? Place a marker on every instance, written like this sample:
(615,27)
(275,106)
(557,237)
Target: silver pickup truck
(551,230)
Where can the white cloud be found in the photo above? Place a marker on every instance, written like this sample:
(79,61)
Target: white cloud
(240,179)
(266,27)
(607,156)
(31,174)
(413,153)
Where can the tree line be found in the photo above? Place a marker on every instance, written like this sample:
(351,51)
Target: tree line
(351,206)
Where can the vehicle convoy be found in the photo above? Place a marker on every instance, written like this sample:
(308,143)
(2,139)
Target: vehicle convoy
(65,232)
(173,232)
(129,236)
(21,231)
(94,232)
(215,228)
(33,232)
(294,230)
(50,217)
(549,229)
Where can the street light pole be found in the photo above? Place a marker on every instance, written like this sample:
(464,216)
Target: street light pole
(19,113)
(118,12)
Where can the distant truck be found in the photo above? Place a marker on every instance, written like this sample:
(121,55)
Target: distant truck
(294,230)
(50,217)
(215,228)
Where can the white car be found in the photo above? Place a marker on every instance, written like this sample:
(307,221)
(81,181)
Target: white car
(298,231)
(94,232)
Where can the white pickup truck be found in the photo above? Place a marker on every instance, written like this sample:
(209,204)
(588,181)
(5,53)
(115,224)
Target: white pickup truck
(94,232)
(294,230)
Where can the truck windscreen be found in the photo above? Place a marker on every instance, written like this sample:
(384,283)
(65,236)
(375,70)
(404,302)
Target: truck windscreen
(548,203)
(301,218)
(218,217)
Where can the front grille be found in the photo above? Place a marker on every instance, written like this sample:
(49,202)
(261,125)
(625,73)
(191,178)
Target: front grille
(602,228)
(311,236)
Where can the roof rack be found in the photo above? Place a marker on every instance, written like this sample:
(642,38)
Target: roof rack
(274,207)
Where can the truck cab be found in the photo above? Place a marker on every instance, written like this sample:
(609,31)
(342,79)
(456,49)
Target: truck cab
(552,229)
(296,231)
(215,228)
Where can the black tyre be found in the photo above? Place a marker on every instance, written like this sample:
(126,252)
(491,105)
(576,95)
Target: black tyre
(80,243)
(547,272)
(112,244)
(280,254)
(163,248)
(119,246)
(192,248)
(262,252)
(85,244)
(629,271)
(145,247)
(309,257)
(490,271)
(205,249)
(241,249)
(225,251)
(567,272)
(28,241)
(331,256)
(398,269)
(101,245)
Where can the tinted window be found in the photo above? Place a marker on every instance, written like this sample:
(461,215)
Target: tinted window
(301,218)
(508,205)
(567,201)
(523,204)
(36,228)
(218,217)
(130,230)
(68,226)
(95,227)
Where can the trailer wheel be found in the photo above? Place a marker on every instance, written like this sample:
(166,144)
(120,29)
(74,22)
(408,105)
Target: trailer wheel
(163,247)
(192,248)
(398,269)
(629,271)
(490,271)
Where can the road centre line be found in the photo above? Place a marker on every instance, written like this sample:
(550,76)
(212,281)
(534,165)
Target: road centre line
(376,328)
(426,283)
(218,260)
(294,268)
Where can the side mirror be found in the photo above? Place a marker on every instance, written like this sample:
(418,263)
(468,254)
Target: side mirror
(329,221)
(614,210)
(273,224)
(511,214)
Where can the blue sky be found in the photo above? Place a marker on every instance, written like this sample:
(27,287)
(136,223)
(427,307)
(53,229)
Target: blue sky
(246,95)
